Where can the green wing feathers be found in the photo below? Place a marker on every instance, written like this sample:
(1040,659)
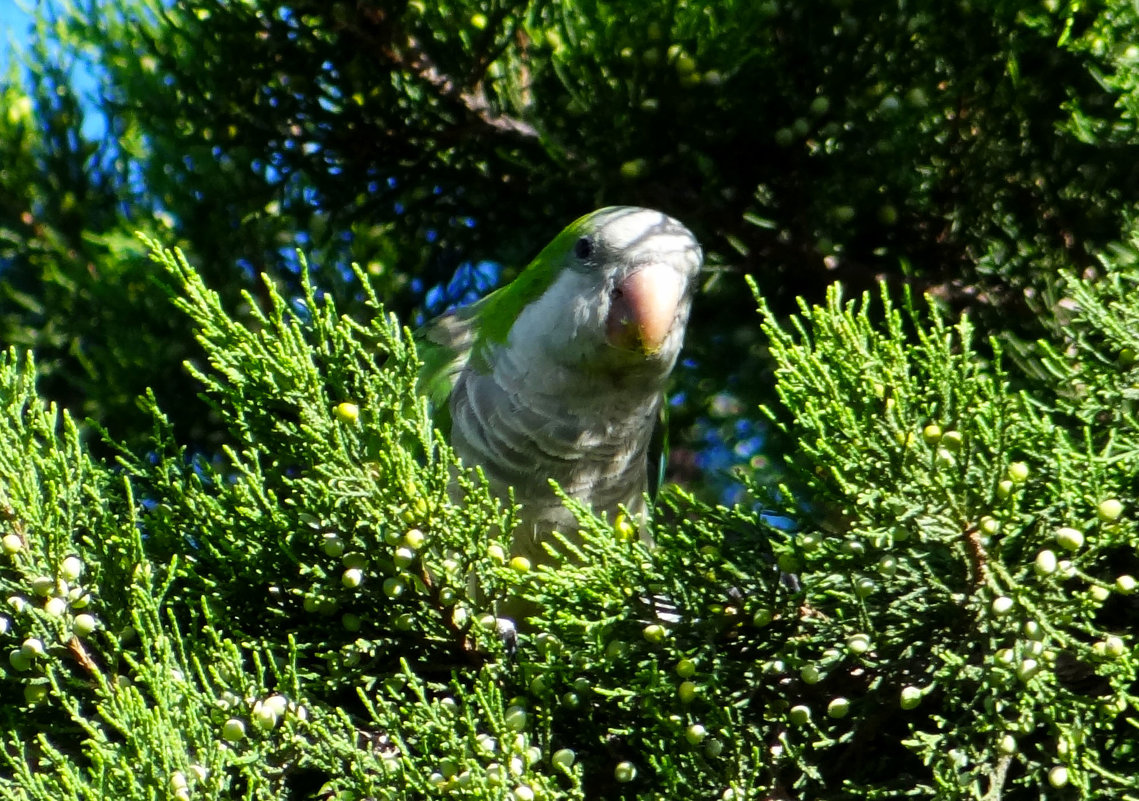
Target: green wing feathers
(444,346)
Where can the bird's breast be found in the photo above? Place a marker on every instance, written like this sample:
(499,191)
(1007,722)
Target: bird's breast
(591,440)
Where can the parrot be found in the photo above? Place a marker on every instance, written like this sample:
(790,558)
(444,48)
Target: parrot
(561,373)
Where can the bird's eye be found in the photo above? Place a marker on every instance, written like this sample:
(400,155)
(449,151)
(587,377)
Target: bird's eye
(583,248)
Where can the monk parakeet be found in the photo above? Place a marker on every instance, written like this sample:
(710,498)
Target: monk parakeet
(561,374)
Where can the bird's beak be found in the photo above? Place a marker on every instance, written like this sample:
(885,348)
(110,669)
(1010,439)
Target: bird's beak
(643,308)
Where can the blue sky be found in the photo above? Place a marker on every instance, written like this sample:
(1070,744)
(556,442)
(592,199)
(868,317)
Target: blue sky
(14,23)
(16,19)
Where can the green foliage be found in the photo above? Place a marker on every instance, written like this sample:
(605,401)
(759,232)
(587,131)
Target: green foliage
(956,597)
(257,572)
(330,519)
(973,150)
(973,537)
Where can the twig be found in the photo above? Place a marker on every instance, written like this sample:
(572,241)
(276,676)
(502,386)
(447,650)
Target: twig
(413,59)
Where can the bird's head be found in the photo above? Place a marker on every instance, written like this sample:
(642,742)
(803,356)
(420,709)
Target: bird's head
(613,290)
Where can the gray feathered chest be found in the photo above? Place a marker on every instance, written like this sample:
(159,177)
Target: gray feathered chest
(589,434)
